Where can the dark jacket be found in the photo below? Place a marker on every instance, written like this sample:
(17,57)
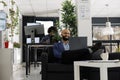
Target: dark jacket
(46,39)
(58,49)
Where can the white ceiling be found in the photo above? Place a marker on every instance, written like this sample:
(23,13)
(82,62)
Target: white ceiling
(51,7)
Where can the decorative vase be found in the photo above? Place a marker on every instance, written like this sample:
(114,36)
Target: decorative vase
(6,44)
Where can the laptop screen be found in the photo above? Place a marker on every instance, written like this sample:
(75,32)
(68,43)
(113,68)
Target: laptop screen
(77,43)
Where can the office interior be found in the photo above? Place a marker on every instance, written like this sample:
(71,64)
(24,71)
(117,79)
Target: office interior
(92,16)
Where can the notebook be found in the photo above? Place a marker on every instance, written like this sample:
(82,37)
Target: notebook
(77,43)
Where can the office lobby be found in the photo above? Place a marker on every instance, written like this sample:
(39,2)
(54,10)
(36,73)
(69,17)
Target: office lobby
(24,23)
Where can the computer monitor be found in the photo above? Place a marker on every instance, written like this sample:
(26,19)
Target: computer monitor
(34,31)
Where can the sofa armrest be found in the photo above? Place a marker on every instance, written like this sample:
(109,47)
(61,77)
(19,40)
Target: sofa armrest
(96,55)
(115,55)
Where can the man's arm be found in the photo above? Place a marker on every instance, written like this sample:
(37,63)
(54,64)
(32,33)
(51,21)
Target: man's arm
(57,49)
(45,39)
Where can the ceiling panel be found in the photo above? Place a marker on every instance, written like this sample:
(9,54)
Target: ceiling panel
(50,7)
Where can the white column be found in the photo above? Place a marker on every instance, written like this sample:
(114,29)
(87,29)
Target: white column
(60,17)
(20,35)
(84,19)
(1,39)
(6,64)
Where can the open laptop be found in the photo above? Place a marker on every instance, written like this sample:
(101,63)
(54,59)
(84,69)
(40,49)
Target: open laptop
(77,43)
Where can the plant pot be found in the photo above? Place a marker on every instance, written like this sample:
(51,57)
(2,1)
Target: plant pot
(6,44)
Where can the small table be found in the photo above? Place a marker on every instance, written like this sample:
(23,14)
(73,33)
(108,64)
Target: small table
(103,65)
(28,48)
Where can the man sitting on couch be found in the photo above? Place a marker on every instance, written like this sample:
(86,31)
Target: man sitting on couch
(62,45)
(62,52)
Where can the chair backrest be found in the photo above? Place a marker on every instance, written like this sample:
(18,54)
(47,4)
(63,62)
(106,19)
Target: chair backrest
(96,55)
(51,58)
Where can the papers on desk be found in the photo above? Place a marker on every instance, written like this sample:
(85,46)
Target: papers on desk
(104,61)
(37,40)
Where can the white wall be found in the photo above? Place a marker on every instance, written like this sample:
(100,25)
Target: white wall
(84,19)
(6,64)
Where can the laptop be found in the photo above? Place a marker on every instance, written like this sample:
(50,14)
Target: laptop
(77,43)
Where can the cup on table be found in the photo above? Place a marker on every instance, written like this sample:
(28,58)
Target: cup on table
(104,56)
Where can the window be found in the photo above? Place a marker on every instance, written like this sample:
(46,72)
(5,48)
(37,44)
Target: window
(97,35)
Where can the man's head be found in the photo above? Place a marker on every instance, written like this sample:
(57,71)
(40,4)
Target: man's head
(52,30)
(65,34)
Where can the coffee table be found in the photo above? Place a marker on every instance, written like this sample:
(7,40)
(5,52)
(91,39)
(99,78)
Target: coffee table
(101,64)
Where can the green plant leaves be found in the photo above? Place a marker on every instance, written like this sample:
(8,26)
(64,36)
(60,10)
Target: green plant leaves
(69,17)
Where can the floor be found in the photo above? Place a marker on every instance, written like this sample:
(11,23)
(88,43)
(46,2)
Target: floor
(19,74)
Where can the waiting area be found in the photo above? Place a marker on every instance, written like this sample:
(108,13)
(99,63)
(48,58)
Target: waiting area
(59,40)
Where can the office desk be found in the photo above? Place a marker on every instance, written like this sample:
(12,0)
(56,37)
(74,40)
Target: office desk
(28,49)
(97,64)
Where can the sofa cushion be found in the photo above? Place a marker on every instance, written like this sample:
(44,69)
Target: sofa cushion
(68,57)
(96,55)
(115,55)
(57,67)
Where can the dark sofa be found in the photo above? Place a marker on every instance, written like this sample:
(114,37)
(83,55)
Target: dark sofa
(52,69)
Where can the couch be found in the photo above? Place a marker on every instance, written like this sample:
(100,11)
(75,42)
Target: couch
(52,69)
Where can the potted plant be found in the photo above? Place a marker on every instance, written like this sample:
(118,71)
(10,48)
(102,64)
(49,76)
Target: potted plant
(13,16)
(4,3)
(56,38)
(69,18)
(6,42)
(16,45)
(12,20)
